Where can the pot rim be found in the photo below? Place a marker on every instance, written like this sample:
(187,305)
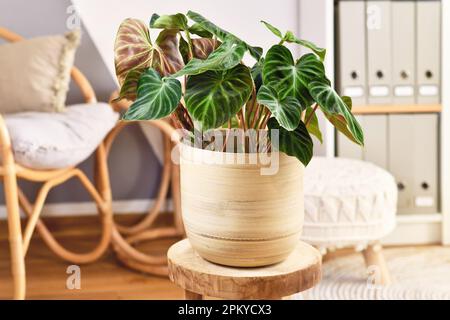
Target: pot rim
(184,146)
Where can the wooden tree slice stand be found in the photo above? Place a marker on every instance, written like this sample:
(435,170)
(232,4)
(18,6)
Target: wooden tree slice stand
(199,278)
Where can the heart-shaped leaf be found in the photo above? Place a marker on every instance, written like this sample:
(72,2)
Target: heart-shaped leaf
(213,97)
(297,143)
(291,38)
(313,124)
(228,55)
(310,68)
(133,48)
(255,52)
(287,111)
(284,75)
(156,97)
(175,21)
(336,111)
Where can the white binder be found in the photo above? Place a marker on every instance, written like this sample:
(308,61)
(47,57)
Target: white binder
(415,165)
(428,51)
(375,141)
(352,50)
(379,72)
(403,51)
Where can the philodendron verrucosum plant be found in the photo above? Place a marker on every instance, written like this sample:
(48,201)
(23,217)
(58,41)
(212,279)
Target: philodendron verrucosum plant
(218,90)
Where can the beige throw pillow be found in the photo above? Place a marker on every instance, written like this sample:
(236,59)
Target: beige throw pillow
(35,73)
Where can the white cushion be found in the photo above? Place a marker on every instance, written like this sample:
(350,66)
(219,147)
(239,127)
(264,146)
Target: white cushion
(43,140)
(347,202)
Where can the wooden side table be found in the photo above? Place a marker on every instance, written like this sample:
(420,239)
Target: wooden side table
(199,278)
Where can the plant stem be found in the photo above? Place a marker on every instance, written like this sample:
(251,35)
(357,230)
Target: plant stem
(265,120)
(250,105)
(241,115)
(311,115)
(227,136)
(256,115)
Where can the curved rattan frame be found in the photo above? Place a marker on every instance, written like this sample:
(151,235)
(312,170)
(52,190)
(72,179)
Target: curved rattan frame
(15,199)
(124,237)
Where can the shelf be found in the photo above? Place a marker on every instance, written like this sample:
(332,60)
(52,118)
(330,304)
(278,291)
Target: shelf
(380,109)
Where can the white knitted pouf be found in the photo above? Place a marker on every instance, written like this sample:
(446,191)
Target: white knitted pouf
(347,203)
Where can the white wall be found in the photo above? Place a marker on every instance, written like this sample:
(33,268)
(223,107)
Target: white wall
(241,17)
(309,19)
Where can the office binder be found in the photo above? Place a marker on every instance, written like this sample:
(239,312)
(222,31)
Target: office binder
(415,164)
(375,141)
(403,51)
(352,50)
(426,164)
(428,51)
(379,72)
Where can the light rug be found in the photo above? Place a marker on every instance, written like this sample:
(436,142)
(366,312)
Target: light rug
(417,273)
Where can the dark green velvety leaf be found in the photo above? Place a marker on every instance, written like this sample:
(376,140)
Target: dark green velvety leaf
(199,31)
(175,21)
(227,56)
(213,97)
(321,52)
(287,77)
(336,111)
(255,52)
(310,68)
(156,97)
(313,125)
(287,111)
(222,34)
(257,73)
(297,143)
(274,30)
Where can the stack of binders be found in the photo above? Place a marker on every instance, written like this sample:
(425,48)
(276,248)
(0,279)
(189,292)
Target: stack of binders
(389,51)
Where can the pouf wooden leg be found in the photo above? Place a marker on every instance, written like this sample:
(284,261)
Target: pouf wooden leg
(373,256)
(189,295)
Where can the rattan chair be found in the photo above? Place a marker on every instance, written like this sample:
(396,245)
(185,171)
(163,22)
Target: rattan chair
(15,199)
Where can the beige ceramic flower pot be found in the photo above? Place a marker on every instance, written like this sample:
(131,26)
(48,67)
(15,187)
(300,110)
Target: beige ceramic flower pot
(235,216)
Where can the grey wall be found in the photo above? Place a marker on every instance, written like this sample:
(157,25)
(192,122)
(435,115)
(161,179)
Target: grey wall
(135,172)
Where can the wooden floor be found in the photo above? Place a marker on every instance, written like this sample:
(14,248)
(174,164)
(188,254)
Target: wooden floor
(105,279)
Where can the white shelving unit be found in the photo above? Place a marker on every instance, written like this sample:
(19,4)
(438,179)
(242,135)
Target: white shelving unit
(411,229)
